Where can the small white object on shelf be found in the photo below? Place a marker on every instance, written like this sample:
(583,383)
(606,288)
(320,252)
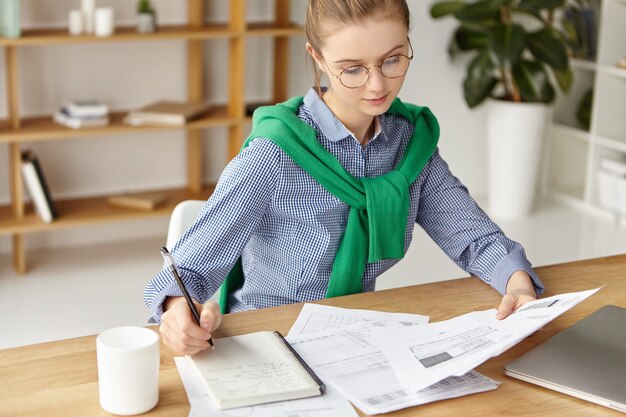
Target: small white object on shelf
(10,19)
(75,22)
(612,185)
(103,22)
(88,8)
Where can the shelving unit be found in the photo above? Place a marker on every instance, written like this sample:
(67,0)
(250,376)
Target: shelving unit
(574,154)
(18,218)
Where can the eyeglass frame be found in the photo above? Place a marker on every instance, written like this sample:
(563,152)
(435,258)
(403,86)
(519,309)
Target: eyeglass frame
(379,65)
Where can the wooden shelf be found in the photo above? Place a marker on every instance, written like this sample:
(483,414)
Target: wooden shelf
(18,218)
(176,32)
(122,34)
(87,211)
(44,128)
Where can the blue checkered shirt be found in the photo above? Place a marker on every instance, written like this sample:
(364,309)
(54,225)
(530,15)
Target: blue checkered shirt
(286,227)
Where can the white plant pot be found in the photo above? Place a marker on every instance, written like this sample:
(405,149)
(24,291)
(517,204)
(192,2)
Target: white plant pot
(146,23)
(515,138)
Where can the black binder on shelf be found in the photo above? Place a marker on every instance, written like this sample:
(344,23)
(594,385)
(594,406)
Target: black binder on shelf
(37,187)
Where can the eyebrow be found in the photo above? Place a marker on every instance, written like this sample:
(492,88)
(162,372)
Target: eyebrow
(347,60)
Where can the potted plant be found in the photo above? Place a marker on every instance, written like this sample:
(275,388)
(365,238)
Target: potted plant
(518,56)
(146,17)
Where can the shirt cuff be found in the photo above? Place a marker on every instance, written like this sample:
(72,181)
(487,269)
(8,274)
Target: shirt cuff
(508,266)
(171,290)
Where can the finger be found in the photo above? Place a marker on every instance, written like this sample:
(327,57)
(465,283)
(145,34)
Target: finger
(210,316)
(177,341)
(506,306)
(186,323)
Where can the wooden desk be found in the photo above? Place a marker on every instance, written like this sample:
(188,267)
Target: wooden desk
(60,378)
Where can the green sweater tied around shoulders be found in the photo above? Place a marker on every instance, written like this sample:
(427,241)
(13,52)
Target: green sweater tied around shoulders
(379,206)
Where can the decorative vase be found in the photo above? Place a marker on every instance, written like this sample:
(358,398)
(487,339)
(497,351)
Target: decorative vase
(515,138)
(10,19)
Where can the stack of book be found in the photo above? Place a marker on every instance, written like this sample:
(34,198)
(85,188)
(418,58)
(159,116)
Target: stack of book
(166,113)
(83,113)
(37,187)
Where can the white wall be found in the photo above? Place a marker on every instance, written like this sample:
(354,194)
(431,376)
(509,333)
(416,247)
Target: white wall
(128,75)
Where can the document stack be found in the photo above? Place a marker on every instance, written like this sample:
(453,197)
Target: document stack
(378,361)
(83,113)
(612,185)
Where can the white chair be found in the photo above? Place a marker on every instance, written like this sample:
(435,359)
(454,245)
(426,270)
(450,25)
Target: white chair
(183,216)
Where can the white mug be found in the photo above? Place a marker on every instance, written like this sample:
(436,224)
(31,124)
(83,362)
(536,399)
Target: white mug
(103,21)
(128,370)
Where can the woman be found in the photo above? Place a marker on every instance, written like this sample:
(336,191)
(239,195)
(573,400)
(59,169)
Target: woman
(324,195)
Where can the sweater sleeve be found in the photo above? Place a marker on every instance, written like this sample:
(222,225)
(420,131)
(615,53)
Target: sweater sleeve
(464,232)
(206,253)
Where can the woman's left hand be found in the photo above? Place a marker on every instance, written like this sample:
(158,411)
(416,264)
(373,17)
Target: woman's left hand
(519,291)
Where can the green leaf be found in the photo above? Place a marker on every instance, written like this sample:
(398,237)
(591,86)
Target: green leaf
(507,43)
(480,81)
(479,11)
(470,37)
(445,8)
(533,82)
(548,48)
(564,79)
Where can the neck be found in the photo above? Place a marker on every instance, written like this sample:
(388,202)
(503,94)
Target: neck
(361,125)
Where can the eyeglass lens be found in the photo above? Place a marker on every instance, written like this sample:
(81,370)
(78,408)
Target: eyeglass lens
(357,75)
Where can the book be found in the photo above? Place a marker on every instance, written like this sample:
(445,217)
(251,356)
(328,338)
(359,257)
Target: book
(63,117)
(254,368)
(37,187)
(166,113)
(142,201)
(86,108)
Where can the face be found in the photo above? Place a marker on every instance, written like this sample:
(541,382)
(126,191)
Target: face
(366,44)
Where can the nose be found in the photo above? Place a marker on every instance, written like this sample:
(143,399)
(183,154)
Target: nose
(376,80)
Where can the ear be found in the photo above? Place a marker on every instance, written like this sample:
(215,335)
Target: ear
(316,56)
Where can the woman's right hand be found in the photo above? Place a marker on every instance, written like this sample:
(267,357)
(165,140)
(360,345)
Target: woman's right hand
(179,331)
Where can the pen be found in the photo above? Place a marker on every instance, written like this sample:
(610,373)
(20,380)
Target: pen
(170,262)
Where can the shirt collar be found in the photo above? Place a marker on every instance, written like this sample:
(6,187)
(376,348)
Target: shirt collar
(328,124)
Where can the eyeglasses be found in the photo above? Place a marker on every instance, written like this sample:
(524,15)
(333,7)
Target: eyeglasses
(356,76)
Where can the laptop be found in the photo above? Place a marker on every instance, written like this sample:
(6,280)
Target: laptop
(587,360)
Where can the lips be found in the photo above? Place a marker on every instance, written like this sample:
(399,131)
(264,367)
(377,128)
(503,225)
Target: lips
(377,101)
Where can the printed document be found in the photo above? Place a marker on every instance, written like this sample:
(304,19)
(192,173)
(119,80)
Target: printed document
(331,404)
(351,360)
(315,318)
(424,355)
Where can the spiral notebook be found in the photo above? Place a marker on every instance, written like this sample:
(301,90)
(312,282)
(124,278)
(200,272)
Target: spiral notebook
(254,368)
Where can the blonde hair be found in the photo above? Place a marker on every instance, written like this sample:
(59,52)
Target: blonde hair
(321,14)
